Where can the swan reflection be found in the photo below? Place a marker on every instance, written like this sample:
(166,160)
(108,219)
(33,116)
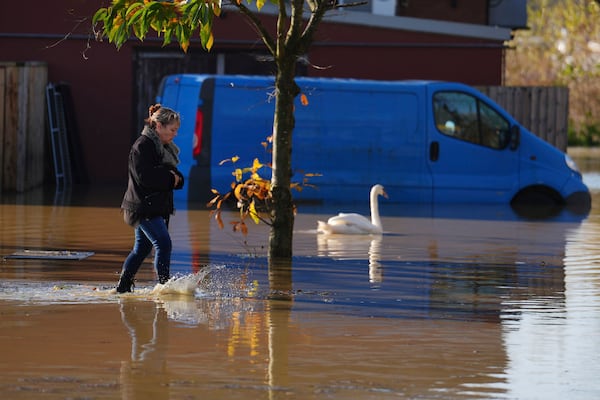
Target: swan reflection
(354,247)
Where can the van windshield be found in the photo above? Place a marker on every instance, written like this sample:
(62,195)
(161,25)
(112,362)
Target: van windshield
(467,118)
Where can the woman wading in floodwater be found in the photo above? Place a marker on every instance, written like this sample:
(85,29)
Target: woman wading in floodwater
(148,201)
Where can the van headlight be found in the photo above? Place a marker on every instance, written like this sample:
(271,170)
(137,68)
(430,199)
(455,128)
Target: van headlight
(571,164)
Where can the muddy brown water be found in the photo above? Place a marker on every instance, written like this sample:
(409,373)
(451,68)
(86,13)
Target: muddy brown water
(456,302)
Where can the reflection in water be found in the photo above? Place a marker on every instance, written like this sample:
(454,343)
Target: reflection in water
(354,247)
(557,335)
(145,375)
(484,306)
(278,316)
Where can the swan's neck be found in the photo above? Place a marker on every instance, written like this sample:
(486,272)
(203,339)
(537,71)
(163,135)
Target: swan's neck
(375,220)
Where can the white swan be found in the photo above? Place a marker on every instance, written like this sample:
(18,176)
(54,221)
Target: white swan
(356,224)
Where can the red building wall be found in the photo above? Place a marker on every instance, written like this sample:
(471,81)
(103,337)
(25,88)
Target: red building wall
(101,78)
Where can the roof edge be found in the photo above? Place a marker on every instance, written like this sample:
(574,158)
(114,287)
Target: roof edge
(421,25)
(409,24)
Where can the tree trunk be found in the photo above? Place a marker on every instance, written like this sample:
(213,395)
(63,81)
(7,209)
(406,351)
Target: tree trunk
(280,238)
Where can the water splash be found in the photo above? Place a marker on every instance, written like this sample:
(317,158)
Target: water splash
(49,292)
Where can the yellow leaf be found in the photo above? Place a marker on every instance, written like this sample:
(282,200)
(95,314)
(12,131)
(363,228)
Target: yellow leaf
(256,165)
(238,192)
(232,159)
(303,99)
(211,40)
(238,174)
(253,213)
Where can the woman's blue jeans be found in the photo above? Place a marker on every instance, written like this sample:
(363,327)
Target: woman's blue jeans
(151,232)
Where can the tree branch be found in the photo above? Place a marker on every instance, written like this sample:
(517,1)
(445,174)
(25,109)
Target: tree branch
(258,25)
(316,16)
(294,33)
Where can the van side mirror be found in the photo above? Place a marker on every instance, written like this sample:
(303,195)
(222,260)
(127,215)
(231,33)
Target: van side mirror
(515,137)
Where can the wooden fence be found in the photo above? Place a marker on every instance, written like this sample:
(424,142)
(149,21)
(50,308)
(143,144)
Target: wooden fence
(544,110)
(22,125)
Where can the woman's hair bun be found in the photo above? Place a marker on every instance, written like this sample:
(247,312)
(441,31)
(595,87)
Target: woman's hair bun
(153,108)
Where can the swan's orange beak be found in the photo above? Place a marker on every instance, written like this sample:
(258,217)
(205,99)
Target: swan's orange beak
(384,194)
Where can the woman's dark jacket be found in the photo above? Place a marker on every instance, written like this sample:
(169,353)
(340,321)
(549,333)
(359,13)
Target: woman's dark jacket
(150,184)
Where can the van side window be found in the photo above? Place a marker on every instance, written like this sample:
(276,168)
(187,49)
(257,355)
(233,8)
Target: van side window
(467,118)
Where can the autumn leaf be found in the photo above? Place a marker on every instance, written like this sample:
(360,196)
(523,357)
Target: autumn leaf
(185,46)
(303,99)
(238,174)
(256,165)
(232,159)
(214,199)
(238,192)
(253,213)
(244,228)
(219,220)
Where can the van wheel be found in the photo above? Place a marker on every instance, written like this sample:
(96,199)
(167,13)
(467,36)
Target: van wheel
(537,202)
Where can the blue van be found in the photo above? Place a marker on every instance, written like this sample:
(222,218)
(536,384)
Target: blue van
(425,141)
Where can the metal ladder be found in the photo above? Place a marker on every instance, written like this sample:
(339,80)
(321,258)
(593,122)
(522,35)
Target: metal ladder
(58,135)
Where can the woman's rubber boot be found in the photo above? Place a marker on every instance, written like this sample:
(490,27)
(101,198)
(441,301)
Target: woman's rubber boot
(125,284)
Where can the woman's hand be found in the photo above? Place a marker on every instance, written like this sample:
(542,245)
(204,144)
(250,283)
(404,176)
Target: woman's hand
(177,179)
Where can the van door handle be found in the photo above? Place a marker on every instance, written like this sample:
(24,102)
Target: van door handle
(434,151)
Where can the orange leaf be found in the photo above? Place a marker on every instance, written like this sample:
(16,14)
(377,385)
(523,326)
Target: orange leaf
(303,99)
(219,220)
(185,46)
(213,201)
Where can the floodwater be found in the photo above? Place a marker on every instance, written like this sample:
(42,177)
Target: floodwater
(458,302)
